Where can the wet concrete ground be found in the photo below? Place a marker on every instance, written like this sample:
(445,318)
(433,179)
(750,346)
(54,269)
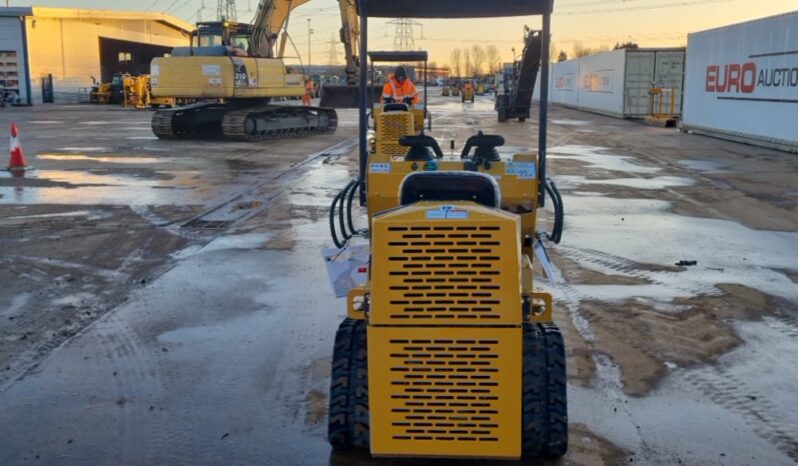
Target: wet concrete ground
(126,338)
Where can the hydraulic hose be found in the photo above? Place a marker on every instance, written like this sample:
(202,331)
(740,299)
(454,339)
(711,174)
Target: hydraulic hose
(338,244)
(349,201)
(347,235)
(559,211)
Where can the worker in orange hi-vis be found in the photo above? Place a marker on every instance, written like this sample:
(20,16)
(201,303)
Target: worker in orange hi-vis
(308,96)
(399,89)
(468,85)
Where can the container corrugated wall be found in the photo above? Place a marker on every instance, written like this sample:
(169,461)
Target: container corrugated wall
(742,82)
(617,83)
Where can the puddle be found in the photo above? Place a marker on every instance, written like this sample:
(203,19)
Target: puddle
(17,303)
(77,213)
(597,157)
(703,165)
(571,122)
(85,149)
(622,236)
(88,188)
(114,159)
(660,182)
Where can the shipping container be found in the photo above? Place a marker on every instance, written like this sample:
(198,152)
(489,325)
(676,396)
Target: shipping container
(618,83)
(742,82)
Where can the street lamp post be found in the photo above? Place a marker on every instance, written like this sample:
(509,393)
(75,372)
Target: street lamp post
(310,31)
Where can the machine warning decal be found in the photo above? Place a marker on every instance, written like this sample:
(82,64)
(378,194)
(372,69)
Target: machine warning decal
(215,82)
(155,70)
(153,82)
(212,70)
(523,170)
(380,168)
(240,73)
(447,212)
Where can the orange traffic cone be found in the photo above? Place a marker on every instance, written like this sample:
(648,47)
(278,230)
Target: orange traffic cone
(17,162)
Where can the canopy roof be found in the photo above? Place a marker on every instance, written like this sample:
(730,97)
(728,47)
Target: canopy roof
(398,56)
(454,8)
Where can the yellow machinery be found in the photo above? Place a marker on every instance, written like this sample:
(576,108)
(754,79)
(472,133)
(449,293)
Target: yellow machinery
(233,70)
(456,90)
(101,93)
(445,91)
(449,349)
(481,89)
(662,107)
(468,93)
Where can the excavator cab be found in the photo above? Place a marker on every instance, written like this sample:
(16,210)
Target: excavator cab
(218,38)
(448,348)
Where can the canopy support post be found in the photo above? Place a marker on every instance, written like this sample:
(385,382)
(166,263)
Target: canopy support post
(544,106)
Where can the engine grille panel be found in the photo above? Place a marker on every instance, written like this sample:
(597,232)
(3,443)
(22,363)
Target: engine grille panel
(443,273)
(452,391)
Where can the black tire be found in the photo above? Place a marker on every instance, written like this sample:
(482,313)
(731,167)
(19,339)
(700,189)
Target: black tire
(348,415)
(521,119)
(545,414)
(361,435)
(502,115)
(340,382)
(557,391)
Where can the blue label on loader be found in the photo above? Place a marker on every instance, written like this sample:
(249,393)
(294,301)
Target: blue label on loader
(447,212)
(523,170)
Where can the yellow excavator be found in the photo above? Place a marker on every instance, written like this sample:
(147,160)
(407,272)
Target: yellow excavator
(234,71)
(448,348)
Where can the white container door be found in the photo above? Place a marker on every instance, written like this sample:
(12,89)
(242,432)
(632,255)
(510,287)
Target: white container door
(639,80)
(669,74)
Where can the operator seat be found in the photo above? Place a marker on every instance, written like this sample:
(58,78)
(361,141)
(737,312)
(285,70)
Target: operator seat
(450,186)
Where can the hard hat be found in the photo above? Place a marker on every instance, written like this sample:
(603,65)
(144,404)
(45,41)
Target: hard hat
(400,72)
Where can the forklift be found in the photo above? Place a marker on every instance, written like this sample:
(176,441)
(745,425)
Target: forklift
(448,350)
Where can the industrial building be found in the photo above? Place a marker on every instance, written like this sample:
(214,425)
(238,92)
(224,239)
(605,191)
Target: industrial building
(50,52)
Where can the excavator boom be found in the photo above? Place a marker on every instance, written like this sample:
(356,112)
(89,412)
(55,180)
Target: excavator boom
(232,74)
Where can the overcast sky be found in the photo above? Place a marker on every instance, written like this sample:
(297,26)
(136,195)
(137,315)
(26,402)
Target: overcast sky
(654,23)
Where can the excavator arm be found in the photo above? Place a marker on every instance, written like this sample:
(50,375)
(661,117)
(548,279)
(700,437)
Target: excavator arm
(270,19)
(350,37)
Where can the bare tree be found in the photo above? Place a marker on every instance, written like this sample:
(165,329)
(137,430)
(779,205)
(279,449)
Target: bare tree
(469,67)
(580,50)
(456,57)
(563,56)
(478,57)
(493,57)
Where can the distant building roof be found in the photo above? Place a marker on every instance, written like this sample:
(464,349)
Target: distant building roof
(79,13)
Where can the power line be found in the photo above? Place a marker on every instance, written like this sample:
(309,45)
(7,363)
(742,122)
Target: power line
(682,4)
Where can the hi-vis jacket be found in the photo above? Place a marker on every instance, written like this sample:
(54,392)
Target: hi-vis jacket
(400,91)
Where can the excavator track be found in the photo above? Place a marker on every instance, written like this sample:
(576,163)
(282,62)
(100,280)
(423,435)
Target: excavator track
(220,121)
(278,122)
(194,121)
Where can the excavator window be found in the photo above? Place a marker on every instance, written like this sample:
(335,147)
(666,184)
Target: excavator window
(210,40)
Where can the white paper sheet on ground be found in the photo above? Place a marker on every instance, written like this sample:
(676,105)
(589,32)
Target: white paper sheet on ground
(543,257)
(344,267)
